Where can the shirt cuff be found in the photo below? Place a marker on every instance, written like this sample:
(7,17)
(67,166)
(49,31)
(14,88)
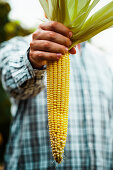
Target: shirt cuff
(22,70)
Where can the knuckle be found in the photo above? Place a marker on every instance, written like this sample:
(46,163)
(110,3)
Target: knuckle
(31,54)
(53,24)
(38,33)
(39,55)
(31,44)
(46,45)
(52,36)
(34,35)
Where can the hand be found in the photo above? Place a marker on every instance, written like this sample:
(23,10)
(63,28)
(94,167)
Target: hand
(49,42)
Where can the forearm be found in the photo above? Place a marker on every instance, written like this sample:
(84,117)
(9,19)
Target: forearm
(19,79)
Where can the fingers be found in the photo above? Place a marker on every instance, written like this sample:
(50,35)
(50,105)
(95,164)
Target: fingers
(47,46)
(56,27)
(39,58)
(41,55)
(52,36)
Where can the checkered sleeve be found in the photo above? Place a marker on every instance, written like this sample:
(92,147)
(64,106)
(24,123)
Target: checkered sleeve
(18,77)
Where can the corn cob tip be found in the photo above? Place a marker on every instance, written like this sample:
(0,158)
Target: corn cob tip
(59,159)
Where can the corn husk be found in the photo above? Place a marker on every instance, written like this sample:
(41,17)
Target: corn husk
(75,15)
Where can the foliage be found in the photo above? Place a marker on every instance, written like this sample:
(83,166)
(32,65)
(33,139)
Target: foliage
(8,28)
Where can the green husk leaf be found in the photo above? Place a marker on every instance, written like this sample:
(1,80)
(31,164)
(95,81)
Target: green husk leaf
(72,6)
(74,14)
(53,9)
(64,13)
(81,5)
(45,7)
(83,14)
(94,3)
(106,11)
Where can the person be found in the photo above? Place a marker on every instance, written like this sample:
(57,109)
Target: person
(89,143)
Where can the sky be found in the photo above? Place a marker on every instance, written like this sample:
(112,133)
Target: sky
(29,12)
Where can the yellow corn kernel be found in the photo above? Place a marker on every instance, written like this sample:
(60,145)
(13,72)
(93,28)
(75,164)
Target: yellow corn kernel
(58,73)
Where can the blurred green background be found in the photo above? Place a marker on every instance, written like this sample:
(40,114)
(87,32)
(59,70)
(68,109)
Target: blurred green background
(8,29)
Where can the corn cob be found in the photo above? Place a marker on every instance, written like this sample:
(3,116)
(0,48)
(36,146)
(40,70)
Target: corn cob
(58,104)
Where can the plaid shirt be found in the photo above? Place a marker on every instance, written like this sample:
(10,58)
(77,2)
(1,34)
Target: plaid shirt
(89,143)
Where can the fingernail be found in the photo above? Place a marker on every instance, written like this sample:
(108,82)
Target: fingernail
(70,34)
(58,56)
(67,49)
